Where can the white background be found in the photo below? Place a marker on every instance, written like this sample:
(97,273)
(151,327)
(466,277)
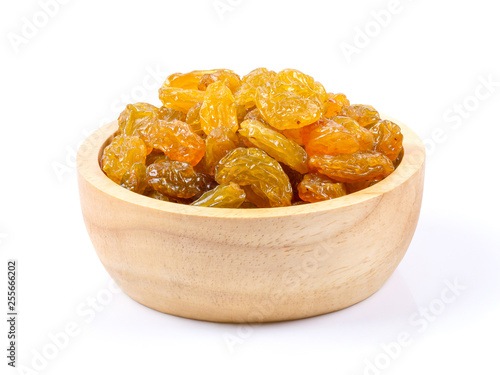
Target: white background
(423,66)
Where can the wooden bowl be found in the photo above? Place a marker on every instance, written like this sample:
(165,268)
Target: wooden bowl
(251,265)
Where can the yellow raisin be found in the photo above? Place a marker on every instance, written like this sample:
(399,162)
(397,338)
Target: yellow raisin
(388,138)
(176,140)
(316,188)
(228,195)
(251,166)
(365,115)
(275,145)
(359,166)
(327,137)
(180,99)
(135,178)
(219,142)
(218,109)
(121,154)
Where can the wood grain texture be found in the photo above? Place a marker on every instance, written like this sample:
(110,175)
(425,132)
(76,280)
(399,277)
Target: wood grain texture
(251,265)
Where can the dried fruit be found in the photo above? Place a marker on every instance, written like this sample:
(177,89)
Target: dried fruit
(193,119)
(294,134)
(134,115)
(288,105)
(269,139)
(245,95)
(176,140)
(316,188)
(359,166)
(188,81)
(170,114)
(226,76)
(335,104)
(365,115)
(317,91)
(180,99)
(275,145)
(121,154)
(362,135)
(218,143)
(251,166)
(176,179)
(218,109)
(327,137)
(229,195)
(388,138)
(135,178)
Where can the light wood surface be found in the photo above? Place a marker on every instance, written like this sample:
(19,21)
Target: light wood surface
(251,265)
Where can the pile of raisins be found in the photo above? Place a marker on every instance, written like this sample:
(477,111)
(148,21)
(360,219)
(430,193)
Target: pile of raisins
(265,140)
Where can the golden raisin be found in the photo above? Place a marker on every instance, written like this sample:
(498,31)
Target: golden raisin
(226,76)
(218,143)
(218,109)
(316,188)
(327,137)
(121,154)
(335,104)
(359,166)
(180,99)
(388,138)
(365,115)
(275,145)
(134,115)
(229,195)
(135,178)
(251,166)
(176,140)
(176,179)
(362,135)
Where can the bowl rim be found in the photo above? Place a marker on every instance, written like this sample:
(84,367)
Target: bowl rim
(89,169)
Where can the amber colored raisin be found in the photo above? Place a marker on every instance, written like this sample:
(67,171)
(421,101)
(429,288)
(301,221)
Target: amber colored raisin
(229,195)
(288,105)
(316,188)
(365,115)
(170,114)
(193,119)
(294,134)
(176,179)
(275,145)
(388,138)
(218,143)
(135,178)
(180,99)
(256,197)
(245,95)
(363,136)
(134,114)
(226,76)
(176,140)
(251,166)
(121,154)
(189,81)
(218,109)
(317,90)
(335,104)
(359,166)
(327,137)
